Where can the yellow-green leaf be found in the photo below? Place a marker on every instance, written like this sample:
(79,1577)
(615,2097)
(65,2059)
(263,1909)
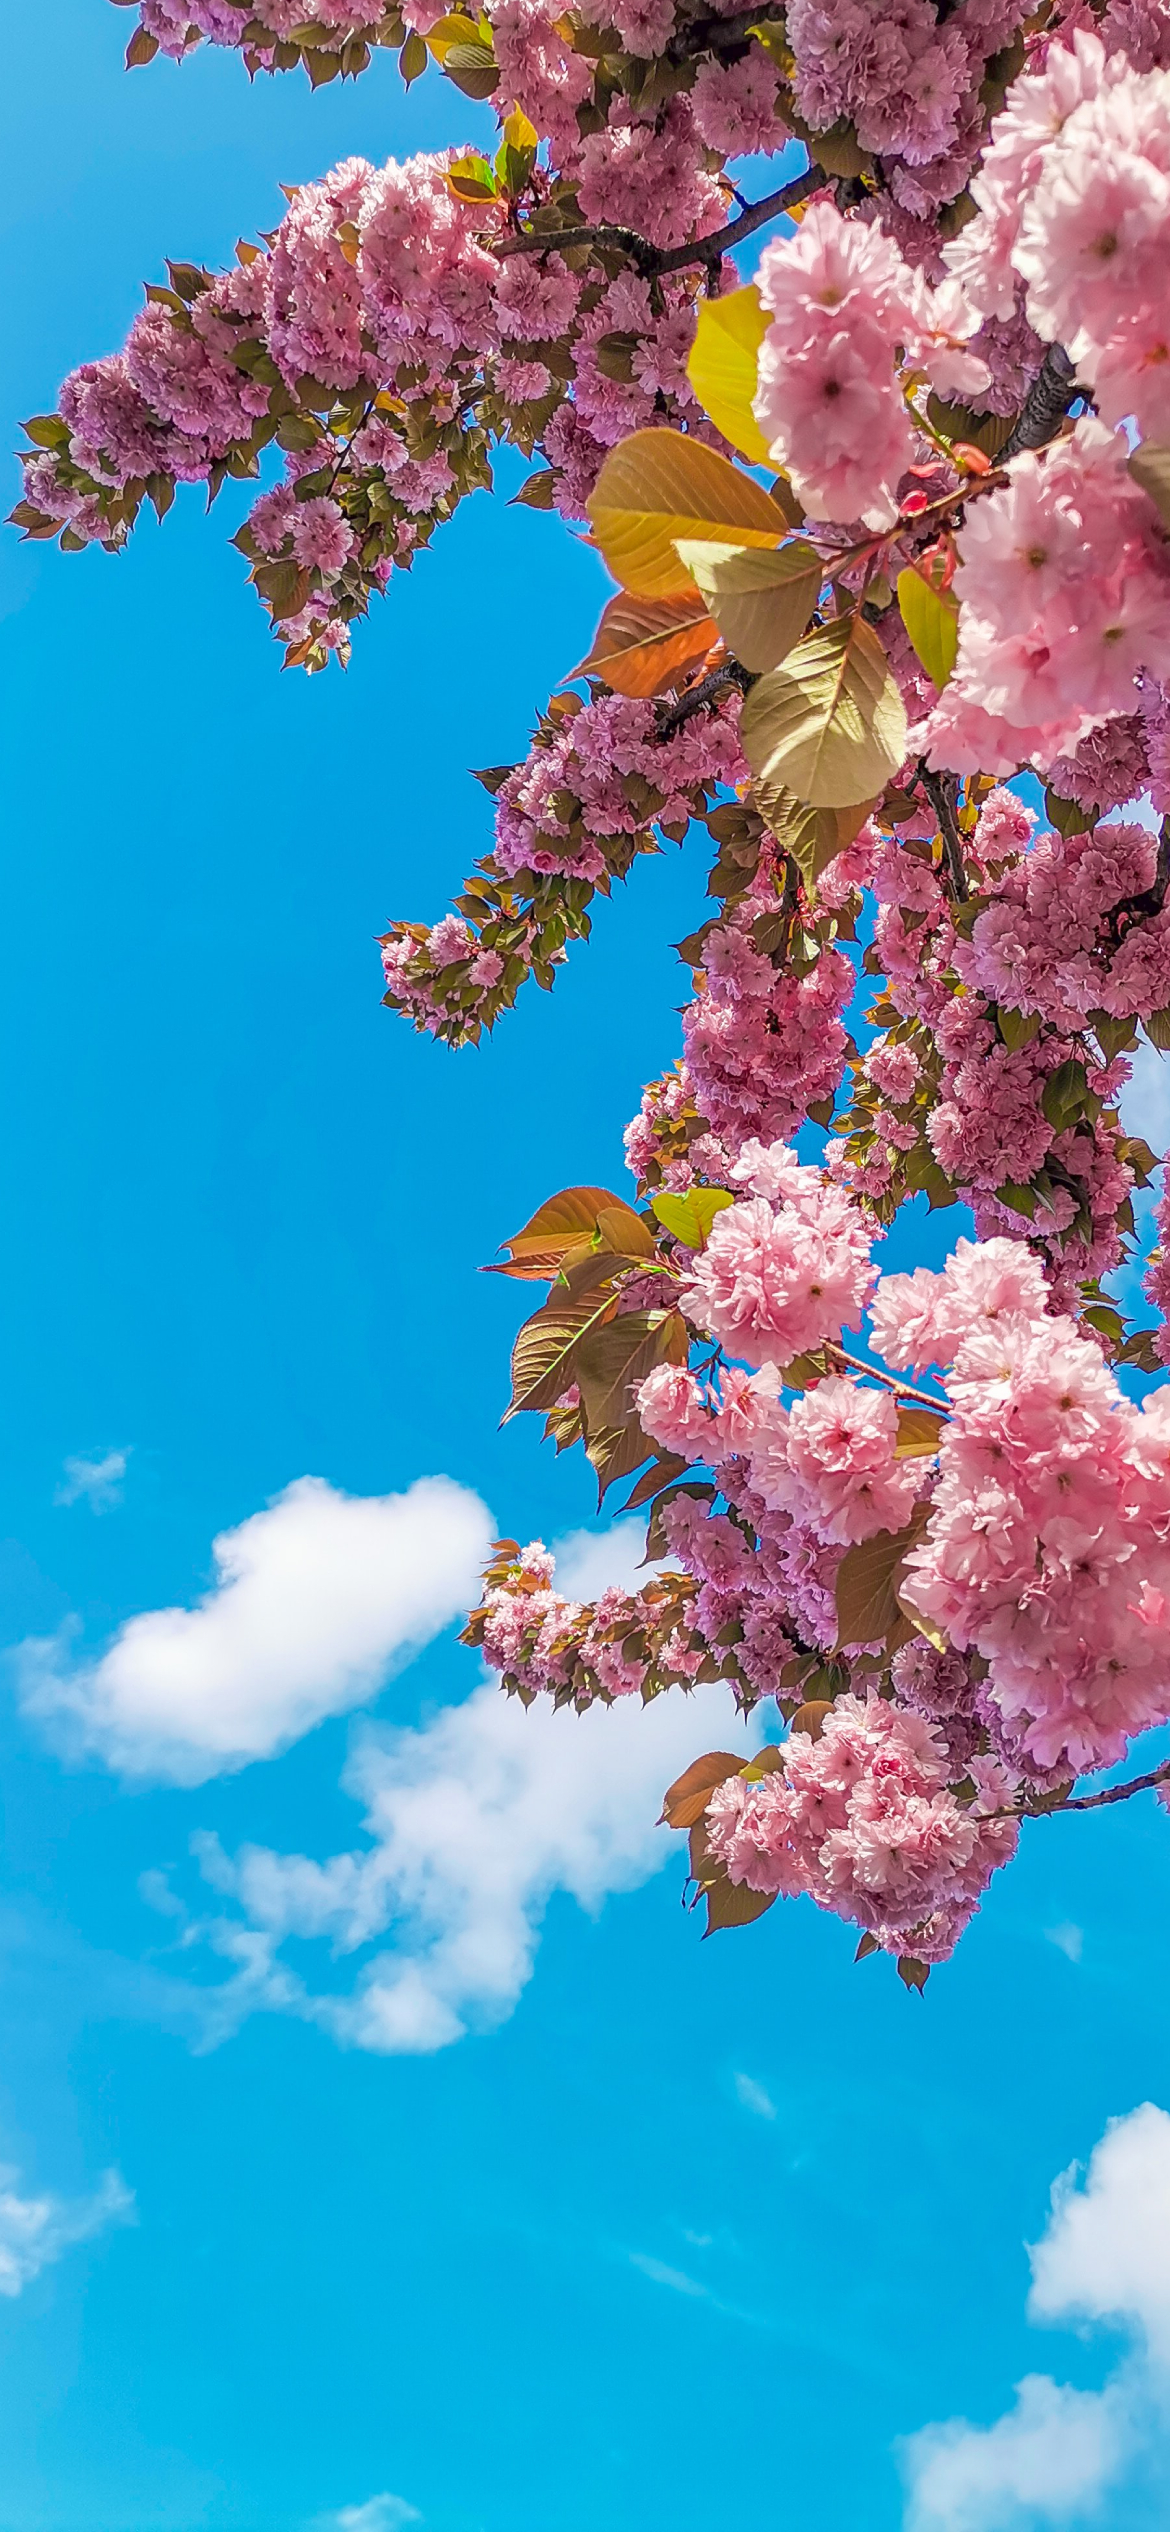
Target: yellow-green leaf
(761,601)
(470,179)
(723,363)
(919,1432)
(931,618)
(644,645)
(689,1218)
(1150,467)
(829,724)
(658,486)
(814,837)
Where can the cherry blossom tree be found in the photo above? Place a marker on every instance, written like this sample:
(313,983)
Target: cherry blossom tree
(889,528)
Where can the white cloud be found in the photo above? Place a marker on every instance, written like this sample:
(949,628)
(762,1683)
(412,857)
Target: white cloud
(1068,1939)
(588,1561)
(36,2231)
(315,1601)
(660,2275)
(475,1818)
(1145,1100)
(99,1481)
(379,2514)
(753,2097)
(1104,2257)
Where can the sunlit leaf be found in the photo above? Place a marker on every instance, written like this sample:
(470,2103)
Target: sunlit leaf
(689,1218)
(761,601)
(658,486)
(556,1227)
(722,367)
(829,724)
(931,618)
(919,1432)
(814,837)
(642,646)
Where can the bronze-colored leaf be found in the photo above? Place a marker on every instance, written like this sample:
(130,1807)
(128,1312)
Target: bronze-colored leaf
(643,646)
(812,1718)
(867,1582)
(619,1352)
(556,1227)
(687,1798)
(761,600)
(728,1902)
(660,485)
(542,1356)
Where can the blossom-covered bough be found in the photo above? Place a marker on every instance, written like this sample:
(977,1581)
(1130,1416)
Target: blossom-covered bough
(890,528)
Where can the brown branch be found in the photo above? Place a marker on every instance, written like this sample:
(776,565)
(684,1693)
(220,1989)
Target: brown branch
(672,259)
(728,674)
(902,1388)
(1084,1802)
(1045,405)
(941,797)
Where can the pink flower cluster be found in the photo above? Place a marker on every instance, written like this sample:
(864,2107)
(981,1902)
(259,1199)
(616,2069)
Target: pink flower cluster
(1074,200)
(599,778)
(908,82)
(625,1644)
(1046,1550)
(763,1039)
(785,1270)
(1064,583)
(1068,934)
(829,401)
(861,1818)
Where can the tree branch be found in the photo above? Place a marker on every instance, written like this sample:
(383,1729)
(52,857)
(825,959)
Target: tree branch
(670,259)
(1045,405)
(1085,1802)
(941,797)
(728,674)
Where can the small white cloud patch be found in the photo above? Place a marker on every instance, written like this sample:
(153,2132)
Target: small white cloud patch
(753,2097)
(35,2231)
(379,2514)
(97,1482)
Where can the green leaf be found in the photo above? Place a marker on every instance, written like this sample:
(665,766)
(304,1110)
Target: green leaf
(830,724)
(689,1218)
(1067,815)
(1018,1028)
(536,491)
(761,601)
(470,178)
(47,430)
(931,618)
(723,364)
(920,1431)
(1157,1029)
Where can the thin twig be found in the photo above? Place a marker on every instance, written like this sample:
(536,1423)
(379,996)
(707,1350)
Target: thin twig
(1085,1802)
(670,259)
(903,1389)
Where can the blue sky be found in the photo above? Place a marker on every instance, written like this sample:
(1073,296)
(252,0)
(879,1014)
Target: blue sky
(678,2228)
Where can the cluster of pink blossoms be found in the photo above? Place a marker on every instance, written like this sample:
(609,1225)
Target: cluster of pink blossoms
(830,401)
(783,1269)
(384,346)
(1064,584)
(599,779)
(1074,202)
(862,1820)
